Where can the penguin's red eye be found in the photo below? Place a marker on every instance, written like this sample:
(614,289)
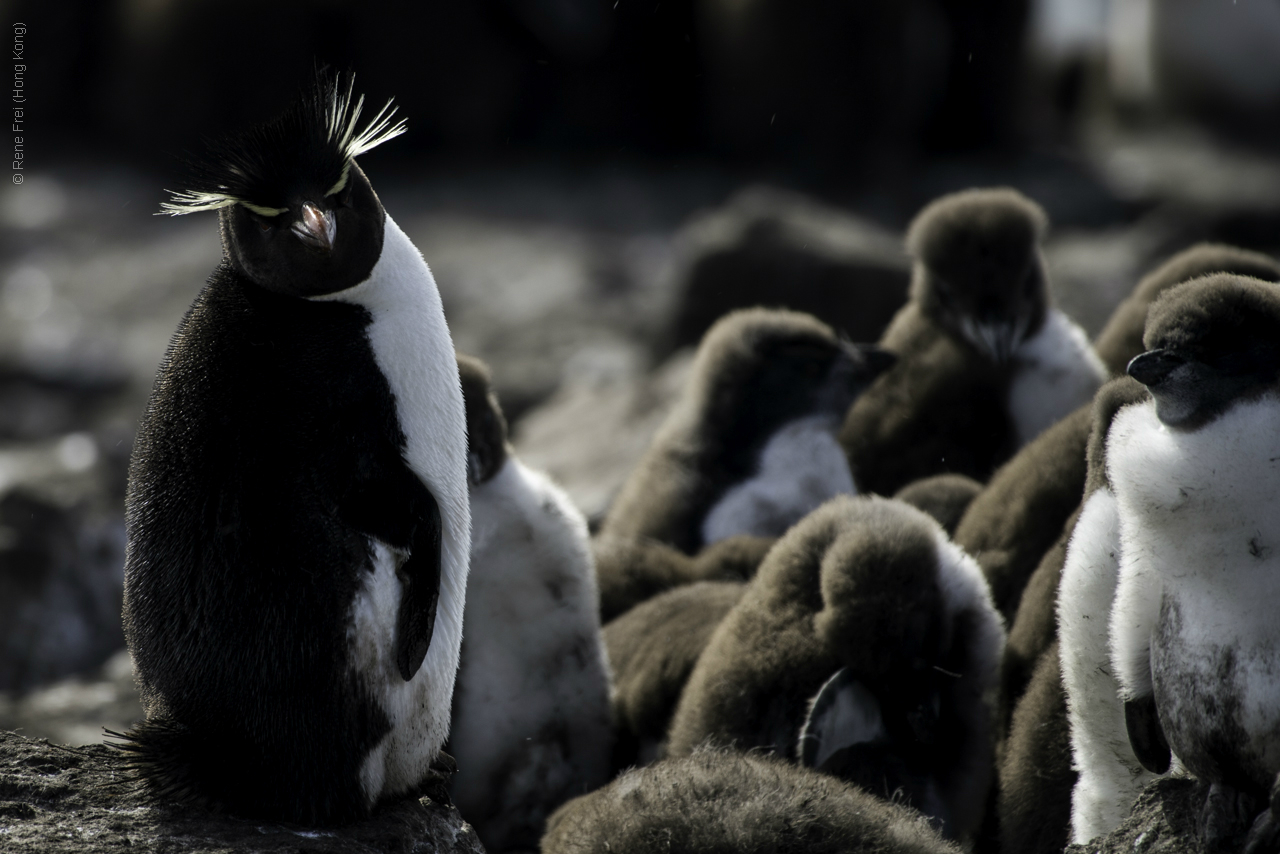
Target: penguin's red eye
(264,225)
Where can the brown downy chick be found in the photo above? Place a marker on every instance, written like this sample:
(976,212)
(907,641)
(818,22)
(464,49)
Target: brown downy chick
(1121,339)
(986,362)
(867,647)
(750,447)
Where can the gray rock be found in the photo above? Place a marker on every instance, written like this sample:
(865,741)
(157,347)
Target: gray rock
(77,710)
(61,572)
(590,434)
(56,799)
(1163,821)
(776,248)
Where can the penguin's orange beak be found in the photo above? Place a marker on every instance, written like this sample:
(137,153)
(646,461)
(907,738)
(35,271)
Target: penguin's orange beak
(316,228)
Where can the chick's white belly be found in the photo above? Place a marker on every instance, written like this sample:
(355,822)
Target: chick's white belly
(1217,688)
(800,468)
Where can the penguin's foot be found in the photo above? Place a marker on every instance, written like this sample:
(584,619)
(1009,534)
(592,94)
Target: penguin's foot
(435,783)
(1225,818)
(1264,836)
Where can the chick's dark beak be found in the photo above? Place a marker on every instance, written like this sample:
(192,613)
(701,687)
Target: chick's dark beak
(316,228)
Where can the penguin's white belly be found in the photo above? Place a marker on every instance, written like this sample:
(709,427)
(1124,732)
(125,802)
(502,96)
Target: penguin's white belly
(801,466)
(1218,692)
(418,724)
(531,725)
(1056,373)
(414,352)
(1200,510)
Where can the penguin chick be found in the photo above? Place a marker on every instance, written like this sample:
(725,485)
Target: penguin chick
(631,570)
(1194,635)
(297,511)
(750,447)
(652,650)
(1022,510)
(985,361)
(945,497)
(1036,777)
(1110,777)
(725,801)
(531,721)
(1121,339)
(866,646)
(1034,629)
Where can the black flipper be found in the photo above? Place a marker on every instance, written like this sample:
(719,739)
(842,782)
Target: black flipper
(420,577)
(1146,736)
(821,706)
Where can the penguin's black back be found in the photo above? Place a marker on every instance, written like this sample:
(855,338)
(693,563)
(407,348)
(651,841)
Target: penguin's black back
(269,452)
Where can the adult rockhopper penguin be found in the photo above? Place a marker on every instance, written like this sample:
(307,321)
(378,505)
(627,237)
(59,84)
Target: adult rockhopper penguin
(297,516)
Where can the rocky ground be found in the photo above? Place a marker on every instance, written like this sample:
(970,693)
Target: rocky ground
(55,798)
(1163,821)
(579,285)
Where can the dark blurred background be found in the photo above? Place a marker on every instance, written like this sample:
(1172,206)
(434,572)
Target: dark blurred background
(592,182)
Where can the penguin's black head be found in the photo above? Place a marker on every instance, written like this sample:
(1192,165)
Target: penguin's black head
(759,368)
(978,268)
(298,216)
(486,426)
(1211,342)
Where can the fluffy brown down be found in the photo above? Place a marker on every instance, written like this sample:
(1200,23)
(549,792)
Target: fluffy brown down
(1012,522)
(1121,339)
(981,243)
(940,409)
(716,801)
(487,446)
(1035,627)
(755,370)
(652,650)
(842,588)
(857,584)
(945,497)
(1036,778)
(631,570)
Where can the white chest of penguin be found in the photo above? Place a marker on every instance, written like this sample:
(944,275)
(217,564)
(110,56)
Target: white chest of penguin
(410,343)
(800,467)
(1200,514)
(533,690)
(1056,372)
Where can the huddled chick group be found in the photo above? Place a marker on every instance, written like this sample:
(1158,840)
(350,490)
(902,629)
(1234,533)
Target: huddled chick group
(789,632)
(773,625)
(764,612)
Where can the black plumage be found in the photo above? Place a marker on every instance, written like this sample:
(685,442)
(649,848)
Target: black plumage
(270,450)
(271,484)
